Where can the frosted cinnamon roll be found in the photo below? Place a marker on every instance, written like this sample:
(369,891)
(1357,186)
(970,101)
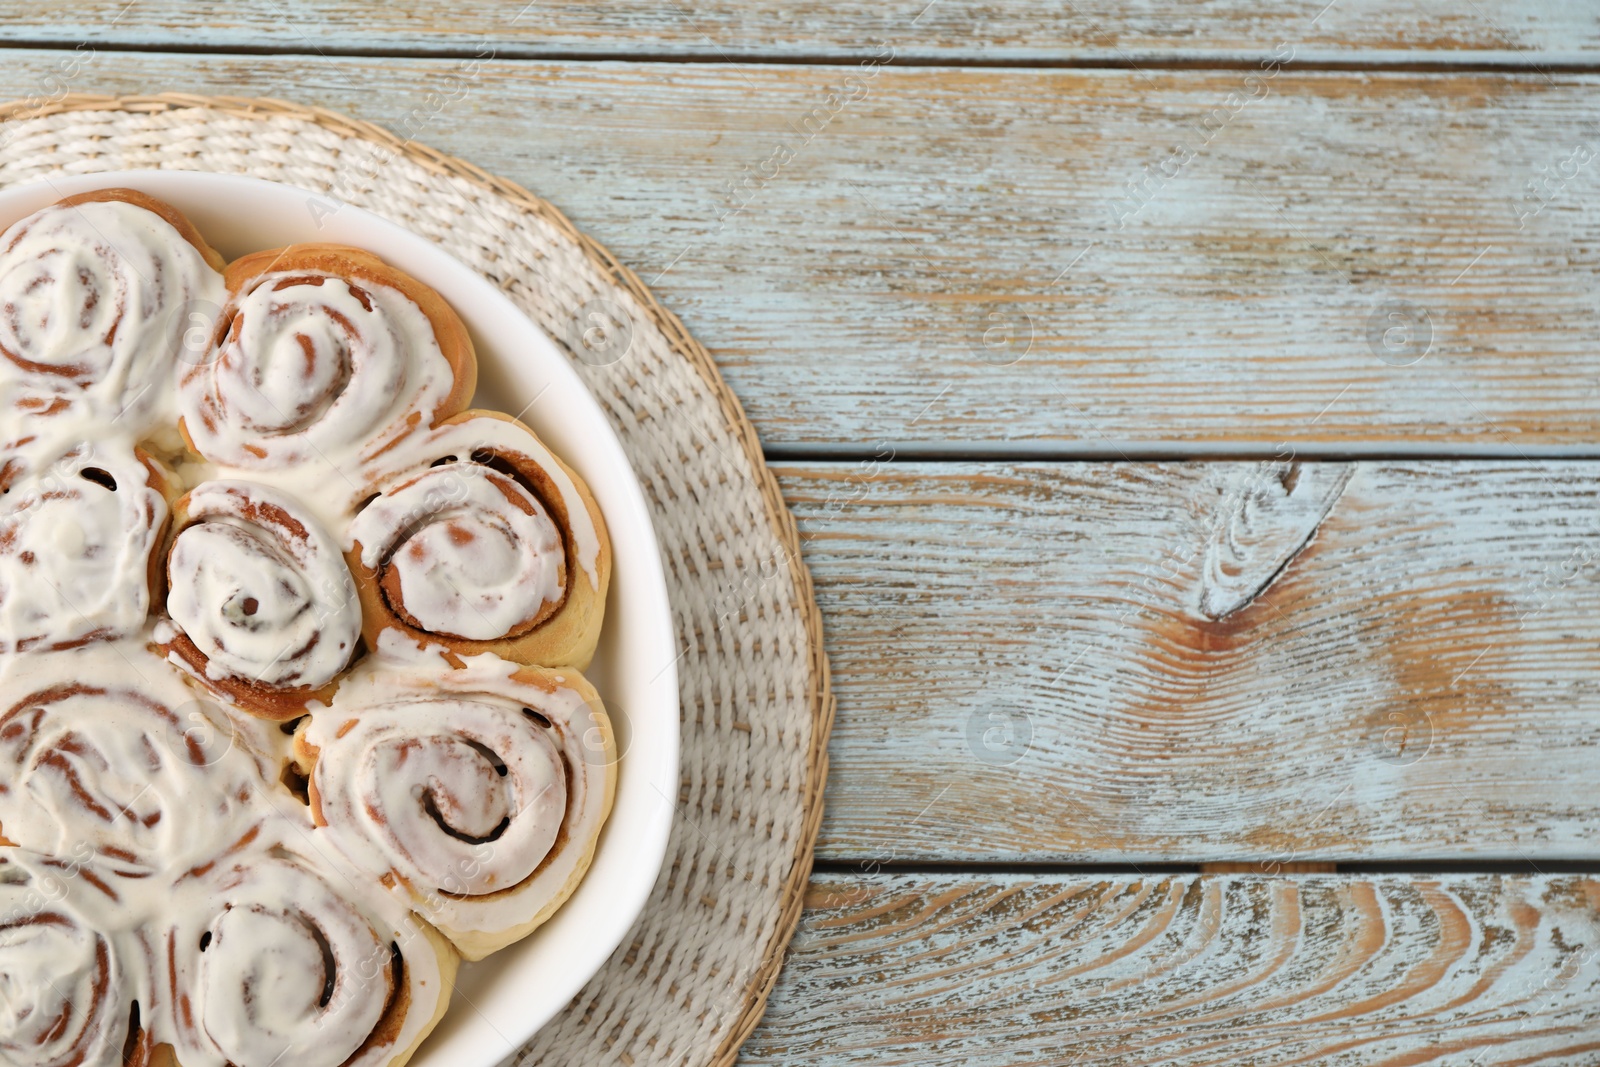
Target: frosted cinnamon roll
(261,606)
(106,746)
(71,992)
(271,963)
(478,795)
(323,355)
(487,543)
(99,294)
(76,534)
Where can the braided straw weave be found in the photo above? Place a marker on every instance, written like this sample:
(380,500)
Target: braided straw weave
(691,981)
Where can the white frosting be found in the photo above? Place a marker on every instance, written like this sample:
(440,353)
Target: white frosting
(96,302)
(476,554)
(105,746)
(318,371)
(74,551)
(408,779)
(429,782)
(66,987)
(476,436)
(282,967)
(261,588)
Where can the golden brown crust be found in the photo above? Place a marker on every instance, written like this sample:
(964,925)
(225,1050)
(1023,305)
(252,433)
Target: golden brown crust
(177,219)
(262,701)
(567,636)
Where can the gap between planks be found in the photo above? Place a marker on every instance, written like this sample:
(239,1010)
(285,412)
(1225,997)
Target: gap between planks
(1164,452)
(1399,62)
(872,866)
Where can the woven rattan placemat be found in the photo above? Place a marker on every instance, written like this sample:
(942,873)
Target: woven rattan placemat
(689,983)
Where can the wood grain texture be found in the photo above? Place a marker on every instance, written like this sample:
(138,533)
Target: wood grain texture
(1117,31)
(1025,667)
(1461,971)
(941,259)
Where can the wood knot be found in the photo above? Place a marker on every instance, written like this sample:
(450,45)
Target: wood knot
(1261,520)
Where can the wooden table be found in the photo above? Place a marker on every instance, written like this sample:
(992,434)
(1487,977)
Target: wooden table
(1195,454)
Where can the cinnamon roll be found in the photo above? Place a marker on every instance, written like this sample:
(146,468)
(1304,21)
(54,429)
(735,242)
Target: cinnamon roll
(271,963)
(487,543)
(107,746)
(477,794)
(76,533)
(262,608)
(71,991)
(99,294)
(323,355)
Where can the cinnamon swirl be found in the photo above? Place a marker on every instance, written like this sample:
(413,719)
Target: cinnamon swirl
(99,295)
(76,533)
(326,356)
(262,609)
(479,792)
(488,543)
(71,991)
(106,745)
(270,963)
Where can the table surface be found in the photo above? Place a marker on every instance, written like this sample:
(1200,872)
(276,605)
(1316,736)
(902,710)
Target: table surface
(1189,411)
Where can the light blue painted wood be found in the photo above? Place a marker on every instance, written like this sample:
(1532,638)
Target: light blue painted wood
(1027,665)
(1103,261)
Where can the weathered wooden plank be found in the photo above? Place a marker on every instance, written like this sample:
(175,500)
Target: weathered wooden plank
(1115,31)
(1028,664)
(1459,971)
(956,255)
